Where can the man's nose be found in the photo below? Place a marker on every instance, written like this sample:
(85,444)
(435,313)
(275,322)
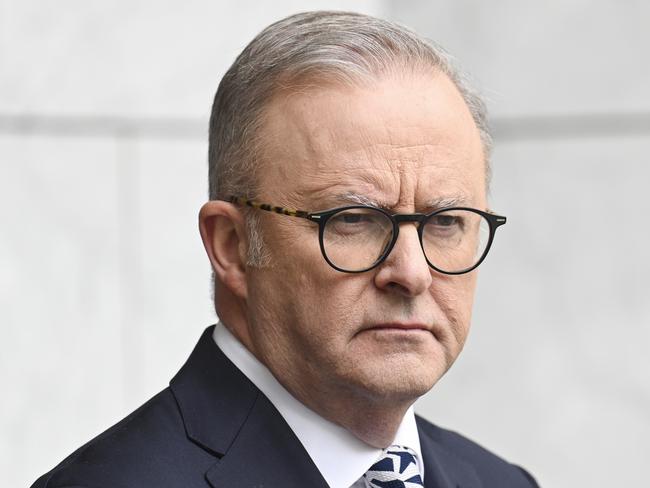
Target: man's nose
(405,270)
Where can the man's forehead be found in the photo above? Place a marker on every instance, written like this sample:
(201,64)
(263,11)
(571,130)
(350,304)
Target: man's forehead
(313,113)
(426,184)
(375,143)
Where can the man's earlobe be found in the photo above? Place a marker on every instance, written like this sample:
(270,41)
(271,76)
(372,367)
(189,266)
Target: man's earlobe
(223,232)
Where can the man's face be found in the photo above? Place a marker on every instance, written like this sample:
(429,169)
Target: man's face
(388,334)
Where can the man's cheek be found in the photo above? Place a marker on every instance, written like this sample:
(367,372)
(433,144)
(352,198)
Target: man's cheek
(455,294)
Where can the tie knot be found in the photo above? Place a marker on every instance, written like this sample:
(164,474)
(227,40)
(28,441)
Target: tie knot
(397,468)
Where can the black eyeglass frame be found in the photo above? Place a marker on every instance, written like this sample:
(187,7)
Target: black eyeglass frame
(494,221)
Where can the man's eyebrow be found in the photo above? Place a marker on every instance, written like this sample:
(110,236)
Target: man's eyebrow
(448,201)
(356,198)
(431,204)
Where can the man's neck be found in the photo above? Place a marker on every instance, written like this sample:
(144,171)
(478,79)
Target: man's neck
(373,421)
(320,436)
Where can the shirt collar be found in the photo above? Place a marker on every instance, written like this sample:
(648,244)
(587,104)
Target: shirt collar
(341,457)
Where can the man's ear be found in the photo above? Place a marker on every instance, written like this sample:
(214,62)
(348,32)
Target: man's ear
(223,231)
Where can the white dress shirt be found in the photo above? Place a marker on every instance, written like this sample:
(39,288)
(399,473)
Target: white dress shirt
(341,457)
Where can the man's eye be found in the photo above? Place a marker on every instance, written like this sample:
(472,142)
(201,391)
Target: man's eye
(353,218)
(445,220)
(444,226)
(358,222)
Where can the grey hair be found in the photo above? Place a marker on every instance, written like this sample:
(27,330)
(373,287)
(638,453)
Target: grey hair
(258,254)
(318,47)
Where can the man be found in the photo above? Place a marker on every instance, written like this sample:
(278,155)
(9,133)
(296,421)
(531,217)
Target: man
(347,216)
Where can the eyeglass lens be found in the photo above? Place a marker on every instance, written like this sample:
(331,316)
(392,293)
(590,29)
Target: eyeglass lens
(452,240)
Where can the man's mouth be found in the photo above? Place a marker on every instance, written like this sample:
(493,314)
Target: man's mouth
(404,329)
(405,326)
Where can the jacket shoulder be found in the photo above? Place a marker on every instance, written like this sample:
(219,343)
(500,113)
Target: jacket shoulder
(489,467)
(140,450)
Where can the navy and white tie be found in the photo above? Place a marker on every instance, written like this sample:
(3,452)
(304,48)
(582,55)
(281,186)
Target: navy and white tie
(397,468)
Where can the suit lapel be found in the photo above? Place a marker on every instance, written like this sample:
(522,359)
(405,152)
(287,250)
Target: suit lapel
(443,469)
(266,453)
(228,416)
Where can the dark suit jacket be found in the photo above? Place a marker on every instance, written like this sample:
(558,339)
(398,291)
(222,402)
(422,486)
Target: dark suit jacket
(213,428)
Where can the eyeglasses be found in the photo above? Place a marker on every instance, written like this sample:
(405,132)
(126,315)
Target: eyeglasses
(358,238)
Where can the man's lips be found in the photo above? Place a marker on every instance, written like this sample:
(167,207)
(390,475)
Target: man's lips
(397,326)
(400,325)
(405,328)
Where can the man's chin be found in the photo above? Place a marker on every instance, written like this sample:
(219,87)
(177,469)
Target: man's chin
(400,379)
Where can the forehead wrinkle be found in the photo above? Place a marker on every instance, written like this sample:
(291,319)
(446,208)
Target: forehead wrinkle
(404,158)
(305,118)
(296,132)
(387,187)
(352,185)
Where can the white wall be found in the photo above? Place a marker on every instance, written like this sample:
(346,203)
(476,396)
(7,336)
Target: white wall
(104,287)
